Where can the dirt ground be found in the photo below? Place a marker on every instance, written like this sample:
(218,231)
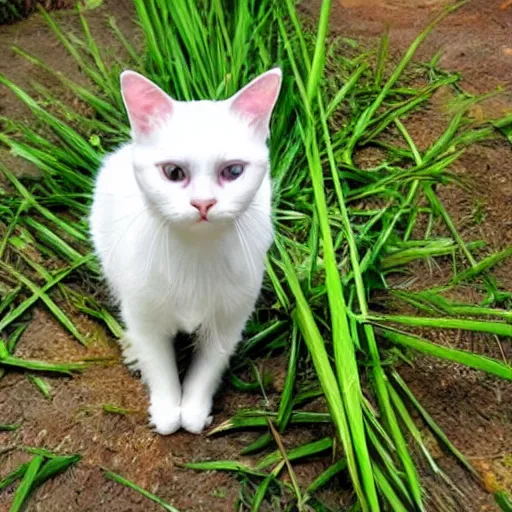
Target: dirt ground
(474,410)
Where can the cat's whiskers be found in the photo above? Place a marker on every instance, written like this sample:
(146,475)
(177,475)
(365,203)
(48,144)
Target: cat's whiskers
(123,234)
(124,217)
(146,208)
(152,251)
(115,195)
(246,250)
(167,258)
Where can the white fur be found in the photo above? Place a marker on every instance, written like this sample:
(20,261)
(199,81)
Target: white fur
(172,273)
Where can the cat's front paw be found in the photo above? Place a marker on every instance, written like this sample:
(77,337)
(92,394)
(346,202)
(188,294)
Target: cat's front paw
(165,417)
(195,417)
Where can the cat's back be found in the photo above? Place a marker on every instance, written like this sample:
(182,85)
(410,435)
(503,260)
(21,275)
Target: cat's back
(115,175)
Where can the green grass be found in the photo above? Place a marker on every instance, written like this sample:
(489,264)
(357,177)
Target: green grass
(123,481)
(42,467)
(345,233)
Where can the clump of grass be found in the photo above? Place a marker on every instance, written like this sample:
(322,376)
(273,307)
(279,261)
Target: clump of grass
(43,466)
(344,231)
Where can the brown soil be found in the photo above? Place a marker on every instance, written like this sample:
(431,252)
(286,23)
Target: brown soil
(474,410)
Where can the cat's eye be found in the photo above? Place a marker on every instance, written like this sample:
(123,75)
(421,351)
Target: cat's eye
(173,172)
(232,172)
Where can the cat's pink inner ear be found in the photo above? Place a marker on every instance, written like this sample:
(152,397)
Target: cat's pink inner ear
(145,102)
(256,100)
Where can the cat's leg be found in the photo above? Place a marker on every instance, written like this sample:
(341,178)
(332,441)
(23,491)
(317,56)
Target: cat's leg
(217,341)
(149,343)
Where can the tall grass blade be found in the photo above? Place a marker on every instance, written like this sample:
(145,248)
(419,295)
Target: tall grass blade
(123,481)
(23,490)
(475,361)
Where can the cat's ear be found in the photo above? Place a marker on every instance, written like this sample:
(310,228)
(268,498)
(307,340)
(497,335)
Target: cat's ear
(147,105)
(256,100)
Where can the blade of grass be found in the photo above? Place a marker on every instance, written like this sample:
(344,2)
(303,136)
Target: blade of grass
(123,481)
(9,427)
(14,475)
(381,58)
(475,361)
(244,422)
(41,385)
(54,466)
(31,364)
(395,476)
(503,500)
(313,339)
(40,293)
(23,490)
(431,423)
(286,403)
(117,409)
(343,345)
(498,328)
(409,54)
(224,465)
(326,476)
(483,265)
(347,87)
(286,459)
(261,491)
(377,371)
(305,450)
(387,490)
(15,337)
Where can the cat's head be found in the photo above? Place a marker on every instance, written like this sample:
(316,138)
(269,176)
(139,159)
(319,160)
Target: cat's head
(200,163)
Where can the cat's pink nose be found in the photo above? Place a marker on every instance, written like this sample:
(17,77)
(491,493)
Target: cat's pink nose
(203,205)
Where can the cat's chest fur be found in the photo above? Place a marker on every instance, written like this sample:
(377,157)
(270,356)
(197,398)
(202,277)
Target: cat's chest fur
(203,278)
(183,278)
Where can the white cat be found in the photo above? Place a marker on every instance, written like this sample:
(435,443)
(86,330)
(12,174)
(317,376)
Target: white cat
(181,224)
